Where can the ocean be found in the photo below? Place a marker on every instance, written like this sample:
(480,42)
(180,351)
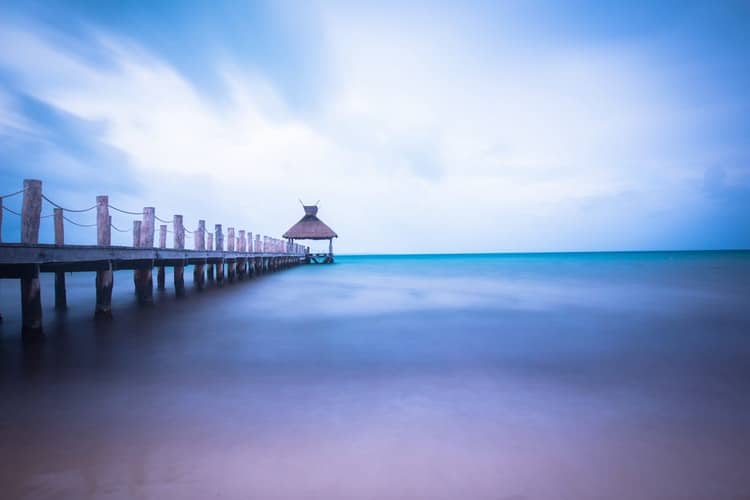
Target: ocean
(504,376)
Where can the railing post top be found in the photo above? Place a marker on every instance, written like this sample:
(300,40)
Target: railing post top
(178,217)
(102,198)
(31,182)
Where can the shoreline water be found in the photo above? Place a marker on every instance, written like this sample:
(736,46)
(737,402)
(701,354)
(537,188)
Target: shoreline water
(584,376)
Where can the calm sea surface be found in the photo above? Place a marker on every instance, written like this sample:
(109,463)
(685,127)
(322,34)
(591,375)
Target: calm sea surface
(548,376)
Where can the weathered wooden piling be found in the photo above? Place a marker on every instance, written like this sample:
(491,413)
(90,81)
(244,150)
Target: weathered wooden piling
(231,265)
(144,275)
(31,298)
(219,242)
(210,246)
(136,244)
(160,278)
(242,262)
(199,275)
(104,278)
(179,243)
(61,300)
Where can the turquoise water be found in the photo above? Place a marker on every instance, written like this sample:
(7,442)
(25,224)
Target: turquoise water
(528,376)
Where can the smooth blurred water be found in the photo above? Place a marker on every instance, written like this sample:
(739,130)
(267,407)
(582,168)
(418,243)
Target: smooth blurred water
(529,376)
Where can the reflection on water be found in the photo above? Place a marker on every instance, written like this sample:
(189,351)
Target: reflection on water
(517,377)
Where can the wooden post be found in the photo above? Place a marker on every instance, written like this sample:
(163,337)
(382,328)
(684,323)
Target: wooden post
(199,276)
(1,219)
(219,242)
(249,242)
(61,301)
(230,248)
(31,298)
(210,247)
(179,243)
(104,279)
(147,227)
(230,239)
(160,279)
(136,233)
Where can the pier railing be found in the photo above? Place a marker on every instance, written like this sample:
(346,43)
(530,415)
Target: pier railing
(237,251)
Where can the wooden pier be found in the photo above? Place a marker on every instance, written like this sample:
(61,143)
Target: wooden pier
(243,257)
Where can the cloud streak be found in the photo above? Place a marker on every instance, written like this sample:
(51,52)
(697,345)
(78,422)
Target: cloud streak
(430,136)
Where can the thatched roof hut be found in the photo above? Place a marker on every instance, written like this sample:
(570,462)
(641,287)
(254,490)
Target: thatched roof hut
(310,227)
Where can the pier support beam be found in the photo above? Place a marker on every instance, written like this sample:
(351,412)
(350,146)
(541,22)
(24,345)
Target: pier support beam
(160,279)
(199,275)
(61,299)
(179,242)
(136,244)
(144,276)
(104,279)
(210,246)
(241,263)
(231,265)
(31,298)
(219,242)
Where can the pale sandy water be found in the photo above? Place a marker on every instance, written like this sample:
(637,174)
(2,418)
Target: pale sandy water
(569,376)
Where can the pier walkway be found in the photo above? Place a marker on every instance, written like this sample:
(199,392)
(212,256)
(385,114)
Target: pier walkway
(215,256)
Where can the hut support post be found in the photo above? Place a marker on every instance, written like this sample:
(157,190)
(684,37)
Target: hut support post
(104,279)
(179,243)
(160,279)
(61,299)
(31,298)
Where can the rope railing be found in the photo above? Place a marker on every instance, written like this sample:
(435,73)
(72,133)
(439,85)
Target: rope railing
(11,211)
(78,223)
(13,193)
(30,219)
(125,211)
(68,209)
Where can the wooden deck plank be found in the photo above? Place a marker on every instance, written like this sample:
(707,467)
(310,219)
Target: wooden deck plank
(17,254)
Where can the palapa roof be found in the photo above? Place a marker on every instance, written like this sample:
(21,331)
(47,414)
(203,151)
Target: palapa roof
(310,227)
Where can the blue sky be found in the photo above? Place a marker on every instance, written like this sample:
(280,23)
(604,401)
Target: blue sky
(424,126)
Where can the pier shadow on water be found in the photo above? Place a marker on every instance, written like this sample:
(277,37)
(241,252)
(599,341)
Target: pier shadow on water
(570,376)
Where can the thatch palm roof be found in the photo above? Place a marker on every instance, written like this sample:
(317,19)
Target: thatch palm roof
(310,227)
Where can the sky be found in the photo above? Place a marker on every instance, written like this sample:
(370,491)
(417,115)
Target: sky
(420,126)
